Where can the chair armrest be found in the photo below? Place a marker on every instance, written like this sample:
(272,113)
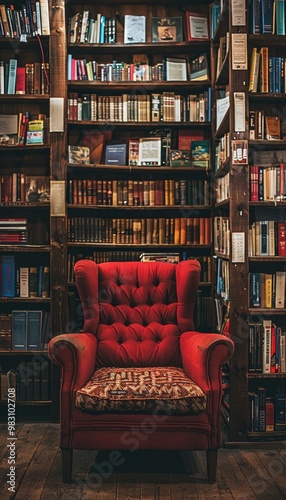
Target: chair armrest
(203,355)
(75,353)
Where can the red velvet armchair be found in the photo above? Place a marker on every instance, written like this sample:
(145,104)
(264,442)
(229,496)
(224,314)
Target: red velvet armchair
(139,376)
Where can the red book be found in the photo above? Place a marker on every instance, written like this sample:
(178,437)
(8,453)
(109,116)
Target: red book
(21,80)
(273,349)
(269,415)
(185,138)
(254,183)
(281,238)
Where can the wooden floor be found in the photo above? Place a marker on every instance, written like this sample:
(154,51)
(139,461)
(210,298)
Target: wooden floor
(242,474)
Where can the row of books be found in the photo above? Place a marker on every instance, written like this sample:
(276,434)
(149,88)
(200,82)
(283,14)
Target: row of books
(85,27)
(144,151)
(157,107)
(30,380)
(140,69)
(268,183)
(126,255)
(222,278)
(222,151)
(32,19)
(221,235)
(24,188)
(268,289)
(25,330)
(168,192)
(204,311)
(222,188)
(173,231)
(33,78)
(266,413)
(267,17)
(24,129)
(20,280)
(266,72)
(270,128)
(268,238)
(13,230)
(266,348)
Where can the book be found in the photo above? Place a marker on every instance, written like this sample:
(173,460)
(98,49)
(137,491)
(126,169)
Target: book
(35,133)
(269,415)
(37,188)
(254,70)
(133,152)
(176,69)
(199,70)
(150,151)
(200,153)
(185,138)
(197,26)
(45,17)
(272,128)
(78,154)
(115,154)
(134,29)
(19,330)
(180,158)
(167,29)
(33,281)
(24,282)
(8,276)
(46,283)
(34,325)
(12,76)
(280,412)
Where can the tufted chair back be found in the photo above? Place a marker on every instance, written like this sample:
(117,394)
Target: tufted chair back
(137,310)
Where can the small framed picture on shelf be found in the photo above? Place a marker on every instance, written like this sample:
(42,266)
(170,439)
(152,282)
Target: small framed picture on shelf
(78,154)
(197,26)
(167,29)
(239,151)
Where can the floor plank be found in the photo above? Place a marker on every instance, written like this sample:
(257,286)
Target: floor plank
(242,474)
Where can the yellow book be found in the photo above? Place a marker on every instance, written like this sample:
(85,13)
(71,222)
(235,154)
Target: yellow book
(268,290)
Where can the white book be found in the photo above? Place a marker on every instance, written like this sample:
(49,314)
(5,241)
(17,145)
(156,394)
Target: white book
(84,25)
(2,73)
(24,282)
(134,29)
(38,18)
(45,17)
(98,24)
(266,360)
(280,289)
(14,186)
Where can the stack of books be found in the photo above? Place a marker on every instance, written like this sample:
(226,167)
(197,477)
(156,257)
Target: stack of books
(13,231)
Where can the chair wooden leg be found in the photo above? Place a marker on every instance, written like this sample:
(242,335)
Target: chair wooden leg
(211,465)
(67,464)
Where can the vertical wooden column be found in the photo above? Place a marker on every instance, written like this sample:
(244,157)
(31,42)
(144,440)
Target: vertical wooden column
(58,276)
(239,223)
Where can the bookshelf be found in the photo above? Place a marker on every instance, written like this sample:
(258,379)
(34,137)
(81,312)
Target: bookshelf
(129,94)
(30,259)
(249,261)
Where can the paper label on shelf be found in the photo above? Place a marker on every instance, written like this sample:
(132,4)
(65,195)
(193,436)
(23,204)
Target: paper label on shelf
(238,13)
(238,247)
(58,205)
(239,51)
(239,111)
(56,114)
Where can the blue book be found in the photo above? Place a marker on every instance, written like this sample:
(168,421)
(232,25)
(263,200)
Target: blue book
(40,280)
(280,412)
(278,75)
(271,73)
(255,290)
(280,17)
(34,327)
(254,16)
(102,29)
(12,76)
(8,276)
(19,330)
(266,16)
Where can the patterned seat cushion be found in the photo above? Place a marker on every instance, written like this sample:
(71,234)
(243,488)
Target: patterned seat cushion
(163,389)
